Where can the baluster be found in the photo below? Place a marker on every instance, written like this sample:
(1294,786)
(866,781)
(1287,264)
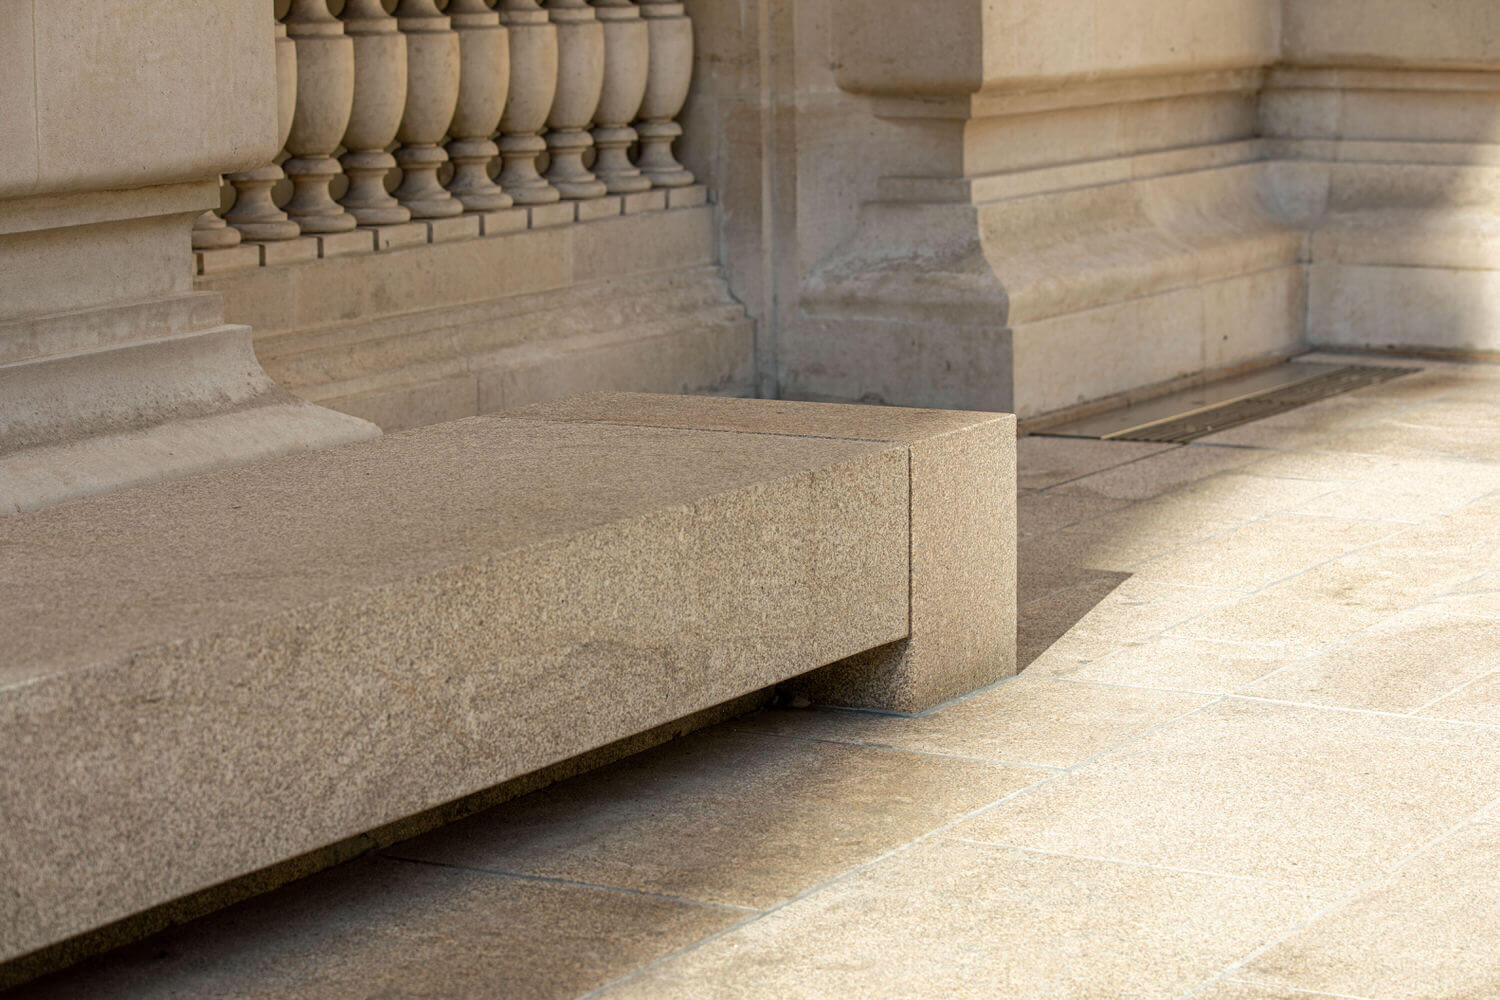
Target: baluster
(432,68)
(325,96)
(484,81)
(667,83)
(255,213)
(212,233)
(626,62)
(580,77)
(533,84)
(379,103)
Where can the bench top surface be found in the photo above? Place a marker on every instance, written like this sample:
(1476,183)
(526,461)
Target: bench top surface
(905,425)
(92,580)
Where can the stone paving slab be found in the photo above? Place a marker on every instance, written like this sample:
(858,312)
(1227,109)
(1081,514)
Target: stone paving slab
(1427,653)
(1262,790)
(1167,662)
(738,819)
(1225,848)
(385,928)
(1429,929)
(952,919)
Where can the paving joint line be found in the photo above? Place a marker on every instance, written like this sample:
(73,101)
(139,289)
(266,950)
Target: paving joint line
(1354,893)
(895,749)
(855,870)
(1132,863)
(1362,711)
(574,883)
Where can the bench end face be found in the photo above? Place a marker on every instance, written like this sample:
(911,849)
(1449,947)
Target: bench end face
(963,582)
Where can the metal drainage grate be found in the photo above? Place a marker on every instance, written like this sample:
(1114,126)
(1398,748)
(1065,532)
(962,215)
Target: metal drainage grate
(1210,420)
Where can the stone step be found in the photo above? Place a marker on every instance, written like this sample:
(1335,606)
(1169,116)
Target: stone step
(204,678)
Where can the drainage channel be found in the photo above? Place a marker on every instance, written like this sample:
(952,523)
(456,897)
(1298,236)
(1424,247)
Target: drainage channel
(1186,416)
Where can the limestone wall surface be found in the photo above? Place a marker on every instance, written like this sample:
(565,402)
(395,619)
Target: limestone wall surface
(1028,206)
(1450,34)
(116,117)
(88,93)
(1004,204)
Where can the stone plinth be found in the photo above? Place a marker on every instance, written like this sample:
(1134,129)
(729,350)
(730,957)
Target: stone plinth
(206,677)
(112,371)
(420,332)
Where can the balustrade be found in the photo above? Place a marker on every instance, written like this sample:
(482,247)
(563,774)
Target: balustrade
(484,83)
(580,78)
(254,212)
(380,83)
(627,59)
(513,79)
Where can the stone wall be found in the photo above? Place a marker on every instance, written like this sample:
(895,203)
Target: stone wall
(1029,206)
(511,286)
(116,116)
(1008,205)
(1389,113)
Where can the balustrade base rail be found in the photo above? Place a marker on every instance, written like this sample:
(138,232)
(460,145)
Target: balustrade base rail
(470,225)
(429,321)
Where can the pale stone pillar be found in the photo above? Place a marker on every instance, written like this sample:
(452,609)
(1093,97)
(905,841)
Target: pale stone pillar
(432,68)
(580,78)
(254,213)
(627,57)
(484,83)
(379,102)
(325,98)
(114,370)
(533,84)
(667,83)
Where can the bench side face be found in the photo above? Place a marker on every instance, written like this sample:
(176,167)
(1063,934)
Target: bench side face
(963,533)
(201,758)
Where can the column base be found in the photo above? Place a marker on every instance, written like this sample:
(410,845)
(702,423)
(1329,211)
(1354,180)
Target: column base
(149,391)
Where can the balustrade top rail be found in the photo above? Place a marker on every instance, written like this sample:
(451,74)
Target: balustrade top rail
(442,94)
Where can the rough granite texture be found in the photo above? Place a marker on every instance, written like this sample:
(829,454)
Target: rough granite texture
(963,529)
(206,677)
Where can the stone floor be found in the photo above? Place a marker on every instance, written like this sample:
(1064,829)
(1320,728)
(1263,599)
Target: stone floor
(1254,755)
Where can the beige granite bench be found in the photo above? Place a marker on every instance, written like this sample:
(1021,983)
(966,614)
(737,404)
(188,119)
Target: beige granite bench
(205,677)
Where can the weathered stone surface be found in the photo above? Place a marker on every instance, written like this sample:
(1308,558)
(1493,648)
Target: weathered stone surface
(281,656)
(1029,206)
(948,919)
(65,118)
(123,114)
(729,818)
(419,333)
(963,533)
(117,415)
